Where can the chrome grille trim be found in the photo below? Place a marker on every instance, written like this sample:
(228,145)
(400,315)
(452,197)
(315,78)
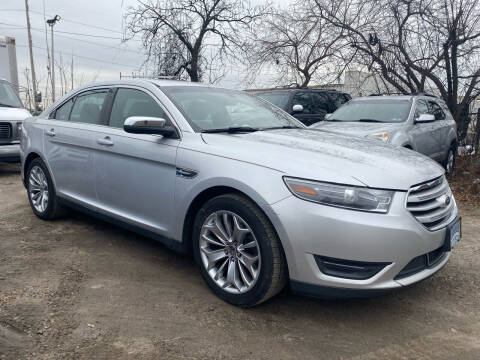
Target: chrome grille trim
(6,130)
(426,202)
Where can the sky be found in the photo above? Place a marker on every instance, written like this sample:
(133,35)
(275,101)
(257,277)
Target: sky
(101,56)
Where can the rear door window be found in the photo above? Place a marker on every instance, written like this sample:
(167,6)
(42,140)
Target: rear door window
(88,107)
(337,100)
(320,103)
(304,99)
(132,102)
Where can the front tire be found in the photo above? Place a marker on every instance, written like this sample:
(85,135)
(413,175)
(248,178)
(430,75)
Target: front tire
(238,252)
(41,193)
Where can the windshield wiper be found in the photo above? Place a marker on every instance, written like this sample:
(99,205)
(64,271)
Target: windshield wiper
(6,105)
(233,129)
(281,127)
(369,120)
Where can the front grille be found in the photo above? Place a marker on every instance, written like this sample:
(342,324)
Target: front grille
(5,130)
(431,203)
(422,262)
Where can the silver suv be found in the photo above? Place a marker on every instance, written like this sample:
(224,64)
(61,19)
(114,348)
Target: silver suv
(419,122)
(258,198)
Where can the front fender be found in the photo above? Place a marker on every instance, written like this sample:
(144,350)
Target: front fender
(263,185)
(402,140)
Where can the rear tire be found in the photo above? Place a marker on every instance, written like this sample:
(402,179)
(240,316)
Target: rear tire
(226,260)
(449,163)
(41,192)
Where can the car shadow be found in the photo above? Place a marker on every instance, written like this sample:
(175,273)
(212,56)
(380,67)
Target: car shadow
(179,265)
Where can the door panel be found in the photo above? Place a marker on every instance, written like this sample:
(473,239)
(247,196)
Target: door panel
(68,149)
(441,130)
(135,177)
(136,173)
(69,145)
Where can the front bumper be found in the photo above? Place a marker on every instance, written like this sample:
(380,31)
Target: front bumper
(10,153)
(307,229)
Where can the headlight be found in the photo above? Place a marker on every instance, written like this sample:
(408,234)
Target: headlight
(380,136)
(19,127)
(344,196)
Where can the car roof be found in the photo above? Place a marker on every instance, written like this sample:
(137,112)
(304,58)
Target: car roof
(142,82)
(260,91)
(397,97)
(384,97)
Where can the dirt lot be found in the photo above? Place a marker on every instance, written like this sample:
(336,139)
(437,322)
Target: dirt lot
(82,289)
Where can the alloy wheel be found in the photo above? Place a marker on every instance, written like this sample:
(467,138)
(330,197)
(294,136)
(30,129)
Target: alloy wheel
(38,189)
(230,252)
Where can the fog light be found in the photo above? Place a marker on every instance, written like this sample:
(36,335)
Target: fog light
(349,269)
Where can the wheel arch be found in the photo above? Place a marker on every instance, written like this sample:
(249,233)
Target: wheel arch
(204,196)
(28,160)
(198,201)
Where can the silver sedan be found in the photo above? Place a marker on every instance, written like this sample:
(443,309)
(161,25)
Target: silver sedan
(259,199)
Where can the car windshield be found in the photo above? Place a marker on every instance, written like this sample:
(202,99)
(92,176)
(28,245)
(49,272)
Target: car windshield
(277,98)
(8,96)
(209,109)
(388,111)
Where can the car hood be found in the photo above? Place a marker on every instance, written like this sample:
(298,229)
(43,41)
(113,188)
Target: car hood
(13,114)
(357,128)
(320,155)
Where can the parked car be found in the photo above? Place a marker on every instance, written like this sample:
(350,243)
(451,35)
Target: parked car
(419,122)
(257,197)
(307,105)
(12,113)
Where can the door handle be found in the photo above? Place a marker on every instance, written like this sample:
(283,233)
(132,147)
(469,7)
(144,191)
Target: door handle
(50,132)
(105,141)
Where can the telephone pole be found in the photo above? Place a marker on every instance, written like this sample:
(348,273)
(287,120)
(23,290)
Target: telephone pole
(34,79)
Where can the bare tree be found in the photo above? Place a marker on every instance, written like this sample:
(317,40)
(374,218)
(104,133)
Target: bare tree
(415,45)
(191,26)
(299,46)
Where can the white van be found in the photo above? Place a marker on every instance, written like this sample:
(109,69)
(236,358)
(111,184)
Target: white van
(12,114)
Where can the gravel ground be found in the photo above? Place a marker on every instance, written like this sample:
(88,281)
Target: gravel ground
(79,288)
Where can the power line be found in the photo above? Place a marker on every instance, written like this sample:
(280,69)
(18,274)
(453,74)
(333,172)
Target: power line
(87,42)
(73,33)
(83,57)
(68,20)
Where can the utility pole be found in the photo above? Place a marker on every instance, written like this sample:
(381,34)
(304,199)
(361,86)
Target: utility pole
(50,23)
(34,79)
(71,72)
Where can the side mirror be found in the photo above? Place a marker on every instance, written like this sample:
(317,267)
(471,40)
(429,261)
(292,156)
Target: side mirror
(327,116)
(425,118)
(297,108)
(149,125)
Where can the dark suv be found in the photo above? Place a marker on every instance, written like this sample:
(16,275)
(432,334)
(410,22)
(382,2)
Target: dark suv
(307,105)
